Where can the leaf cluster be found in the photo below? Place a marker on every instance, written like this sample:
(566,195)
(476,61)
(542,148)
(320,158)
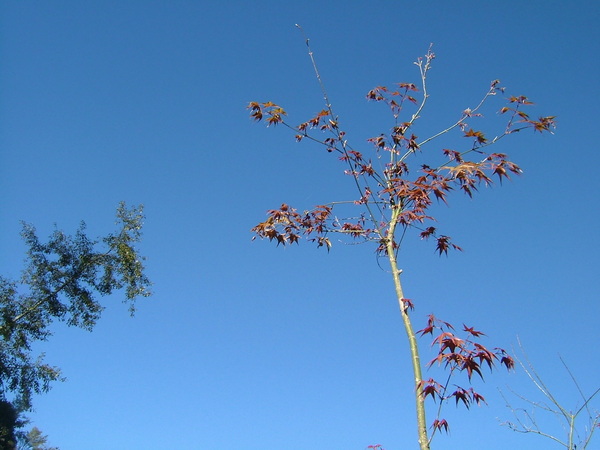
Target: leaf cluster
(391,191)
(458,355)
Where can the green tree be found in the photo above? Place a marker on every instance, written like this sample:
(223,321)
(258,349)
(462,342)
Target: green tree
(35,440)
(62,281)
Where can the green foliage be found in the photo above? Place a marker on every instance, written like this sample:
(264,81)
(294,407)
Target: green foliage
(61,282)
(35,440)
(9,422)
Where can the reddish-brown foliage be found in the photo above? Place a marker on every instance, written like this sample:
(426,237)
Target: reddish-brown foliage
(395,196)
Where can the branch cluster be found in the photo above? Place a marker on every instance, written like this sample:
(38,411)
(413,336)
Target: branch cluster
(385,182)
(576,434)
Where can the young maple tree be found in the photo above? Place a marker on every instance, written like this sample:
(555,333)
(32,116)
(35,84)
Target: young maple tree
(394,197)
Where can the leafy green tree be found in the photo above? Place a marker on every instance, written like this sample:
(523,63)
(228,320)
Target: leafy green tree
(62,281)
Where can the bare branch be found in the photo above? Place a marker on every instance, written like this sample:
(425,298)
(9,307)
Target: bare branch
(570,419)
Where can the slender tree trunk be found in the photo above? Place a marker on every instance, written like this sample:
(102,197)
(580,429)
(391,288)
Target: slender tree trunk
(412,338)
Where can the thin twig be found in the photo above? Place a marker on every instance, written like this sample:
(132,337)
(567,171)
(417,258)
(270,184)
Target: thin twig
(337,132)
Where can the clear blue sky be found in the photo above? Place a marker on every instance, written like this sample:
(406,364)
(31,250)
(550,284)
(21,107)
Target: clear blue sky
(249,346)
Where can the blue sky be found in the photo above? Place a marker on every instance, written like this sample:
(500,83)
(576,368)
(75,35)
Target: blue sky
(245,345)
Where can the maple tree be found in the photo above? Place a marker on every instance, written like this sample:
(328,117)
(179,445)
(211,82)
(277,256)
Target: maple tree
(395,193)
